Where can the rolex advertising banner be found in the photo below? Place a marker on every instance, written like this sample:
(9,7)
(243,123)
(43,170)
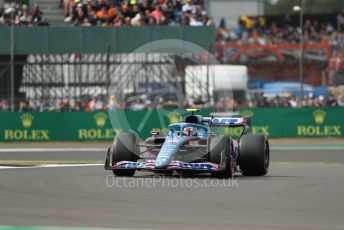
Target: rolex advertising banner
(305,122)
(55,126)
(80,126)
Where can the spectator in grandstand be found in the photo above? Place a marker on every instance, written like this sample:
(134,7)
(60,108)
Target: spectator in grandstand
(340,22)
(320,101)
(38,17)
(168,12)
(7,13)
(332,101)
(195,21)
(340,100)
(157,14)
(189,8)
(4,106)
(85,103)
(96,104)
(64,105)
(138,104)
(86,22)
(79,15)
(112,12)
(304,101)
(160,102)
(25,17)
(44,105)
(24,106)
(263,102)
(102,16)
(275,102)
(337,42)
(67,6)
(293,101)
(207,21)
(112,103)
(78,106)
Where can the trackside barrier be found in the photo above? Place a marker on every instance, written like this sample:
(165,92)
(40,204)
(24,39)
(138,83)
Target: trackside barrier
(66,40)
(80,126)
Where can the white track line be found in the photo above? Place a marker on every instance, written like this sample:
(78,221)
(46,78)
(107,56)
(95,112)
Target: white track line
(49,166)
(7,150)
(7,227)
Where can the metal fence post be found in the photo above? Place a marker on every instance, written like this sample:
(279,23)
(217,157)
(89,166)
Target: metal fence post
(12,62)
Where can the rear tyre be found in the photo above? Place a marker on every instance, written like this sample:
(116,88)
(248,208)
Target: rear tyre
(124,148)
(254,155)
(217,145)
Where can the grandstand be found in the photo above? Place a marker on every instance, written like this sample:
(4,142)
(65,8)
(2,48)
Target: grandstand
(135,13)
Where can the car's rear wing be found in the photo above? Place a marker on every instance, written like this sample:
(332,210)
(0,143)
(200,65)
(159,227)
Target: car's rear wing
(228,121)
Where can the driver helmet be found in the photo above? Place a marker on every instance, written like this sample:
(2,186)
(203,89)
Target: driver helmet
(189,131)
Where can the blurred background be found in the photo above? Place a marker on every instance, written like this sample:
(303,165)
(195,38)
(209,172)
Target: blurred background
(75,55)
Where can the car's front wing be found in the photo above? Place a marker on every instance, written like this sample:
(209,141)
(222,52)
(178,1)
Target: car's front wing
(173,165)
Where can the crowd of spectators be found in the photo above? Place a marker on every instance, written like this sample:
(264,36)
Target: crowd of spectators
(291,101)
(135,12)
(259,31)
(87,104)
(256,30)
(21,15)
(97,103)
(288,101)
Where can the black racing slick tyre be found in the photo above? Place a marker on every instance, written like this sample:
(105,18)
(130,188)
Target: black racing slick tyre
(254,155)
(125,148)
(217,145)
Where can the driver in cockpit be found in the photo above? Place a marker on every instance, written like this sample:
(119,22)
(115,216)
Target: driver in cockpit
(189,131)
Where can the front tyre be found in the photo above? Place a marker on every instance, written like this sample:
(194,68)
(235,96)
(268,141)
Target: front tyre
(254,155)
(124,148)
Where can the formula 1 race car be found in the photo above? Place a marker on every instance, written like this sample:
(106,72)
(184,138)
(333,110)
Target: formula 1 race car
(191,147)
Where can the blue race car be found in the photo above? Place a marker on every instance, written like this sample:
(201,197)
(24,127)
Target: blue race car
(190,147)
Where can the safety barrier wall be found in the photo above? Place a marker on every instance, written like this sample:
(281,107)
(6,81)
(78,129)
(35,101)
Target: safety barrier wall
(80,126)
(305,122)
(61,40)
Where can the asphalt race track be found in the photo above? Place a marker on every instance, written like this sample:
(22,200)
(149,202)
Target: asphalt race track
(303,190)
